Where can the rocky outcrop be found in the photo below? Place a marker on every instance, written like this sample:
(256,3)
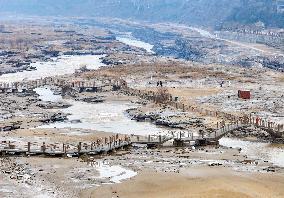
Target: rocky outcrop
(179,121)
(254,132)
(57,117)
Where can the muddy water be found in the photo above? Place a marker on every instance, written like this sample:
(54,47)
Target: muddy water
(258,150)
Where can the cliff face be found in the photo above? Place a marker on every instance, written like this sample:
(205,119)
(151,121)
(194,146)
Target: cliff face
(201,12)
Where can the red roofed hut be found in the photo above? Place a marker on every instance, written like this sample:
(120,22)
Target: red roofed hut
(244,94)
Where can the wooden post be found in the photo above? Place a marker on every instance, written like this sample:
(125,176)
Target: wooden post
(79,147)
(65,150)
(149,138)
(160,138)
(29,147)
(43,147)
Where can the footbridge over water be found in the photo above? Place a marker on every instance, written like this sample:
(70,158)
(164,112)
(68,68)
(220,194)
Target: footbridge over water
(80,85)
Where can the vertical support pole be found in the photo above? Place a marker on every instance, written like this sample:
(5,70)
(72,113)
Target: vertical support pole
(43,147)
(79,147)
(65,150)
(29,147)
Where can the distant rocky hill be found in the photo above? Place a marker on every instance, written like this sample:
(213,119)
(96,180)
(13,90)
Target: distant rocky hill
(202,12)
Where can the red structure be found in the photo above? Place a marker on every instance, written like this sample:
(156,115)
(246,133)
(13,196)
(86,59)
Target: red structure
(244,94)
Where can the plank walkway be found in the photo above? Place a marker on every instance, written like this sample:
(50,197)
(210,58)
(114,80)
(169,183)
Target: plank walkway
(151,141)
(59,150)
(79,85)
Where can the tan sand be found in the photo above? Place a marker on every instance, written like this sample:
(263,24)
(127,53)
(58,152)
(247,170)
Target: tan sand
(205,182)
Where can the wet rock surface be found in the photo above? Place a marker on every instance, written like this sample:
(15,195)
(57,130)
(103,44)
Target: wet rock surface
(254,132)
(92,100)
(54,105)
(164,117)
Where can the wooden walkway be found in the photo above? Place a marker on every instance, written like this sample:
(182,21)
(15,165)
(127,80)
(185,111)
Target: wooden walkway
(80,85)
(202,140)
(59,150)
(150,141)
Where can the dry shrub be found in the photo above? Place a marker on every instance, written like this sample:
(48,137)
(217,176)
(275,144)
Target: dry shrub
(162,95)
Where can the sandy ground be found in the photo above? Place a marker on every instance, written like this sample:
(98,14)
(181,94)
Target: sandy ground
(168,172)
(199,182)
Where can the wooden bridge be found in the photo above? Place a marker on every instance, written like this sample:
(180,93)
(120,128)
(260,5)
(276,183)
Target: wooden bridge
(206,139)
(79,85)
(8,148)
(150,141)
(179,140)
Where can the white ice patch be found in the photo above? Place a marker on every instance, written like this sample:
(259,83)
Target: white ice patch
(60,66)
(115,173)
(47,95)
(257,150)
(107,117)
(136,43)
